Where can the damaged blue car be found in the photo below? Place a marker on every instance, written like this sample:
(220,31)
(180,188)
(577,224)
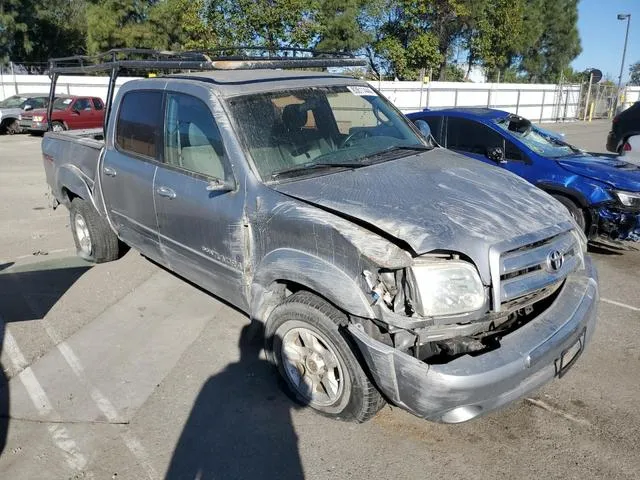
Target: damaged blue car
(601,192)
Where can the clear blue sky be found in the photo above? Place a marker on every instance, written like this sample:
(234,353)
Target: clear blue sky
(602,36)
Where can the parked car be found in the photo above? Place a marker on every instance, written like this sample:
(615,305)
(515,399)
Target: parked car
(380,266)
(69,113)
(602,193)
(623,126)
(12,107)
(631,149)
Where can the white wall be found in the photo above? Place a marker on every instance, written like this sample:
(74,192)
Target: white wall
(631,95)
(538,102)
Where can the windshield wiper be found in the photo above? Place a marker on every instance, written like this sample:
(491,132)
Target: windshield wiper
(313,166)
(395,148)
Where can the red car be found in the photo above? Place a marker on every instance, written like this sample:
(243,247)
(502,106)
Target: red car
(69,113)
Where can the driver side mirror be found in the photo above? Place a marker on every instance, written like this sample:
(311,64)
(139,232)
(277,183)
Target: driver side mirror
(496,154)
(220,185)
(424,128)
(27,108)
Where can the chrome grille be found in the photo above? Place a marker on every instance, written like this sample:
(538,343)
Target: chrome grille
(528,273)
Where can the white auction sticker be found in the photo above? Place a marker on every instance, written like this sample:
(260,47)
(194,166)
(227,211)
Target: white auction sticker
(361,91)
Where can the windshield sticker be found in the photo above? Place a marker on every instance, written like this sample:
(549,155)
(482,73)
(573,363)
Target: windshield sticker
(362,91)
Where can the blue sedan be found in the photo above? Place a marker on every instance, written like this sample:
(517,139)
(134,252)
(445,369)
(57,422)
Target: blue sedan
(601,192)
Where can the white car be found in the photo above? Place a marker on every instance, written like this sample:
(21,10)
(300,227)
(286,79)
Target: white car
(631,150)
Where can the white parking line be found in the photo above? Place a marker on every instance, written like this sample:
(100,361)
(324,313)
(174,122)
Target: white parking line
(102,402)
(59,433)
(620,304)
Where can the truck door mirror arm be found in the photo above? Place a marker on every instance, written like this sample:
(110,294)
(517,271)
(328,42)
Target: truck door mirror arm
(219,185)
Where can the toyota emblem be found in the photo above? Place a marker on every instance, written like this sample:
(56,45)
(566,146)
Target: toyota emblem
(555,260)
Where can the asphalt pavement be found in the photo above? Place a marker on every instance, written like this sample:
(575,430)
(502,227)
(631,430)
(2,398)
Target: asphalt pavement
(124,371)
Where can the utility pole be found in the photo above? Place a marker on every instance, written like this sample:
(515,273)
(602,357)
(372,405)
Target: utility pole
(627,17)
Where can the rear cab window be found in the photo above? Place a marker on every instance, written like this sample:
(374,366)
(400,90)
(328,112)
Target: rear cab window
(139,124)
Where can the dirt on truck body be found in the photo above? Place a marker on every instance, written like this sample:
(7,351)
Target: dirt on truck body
(381,266)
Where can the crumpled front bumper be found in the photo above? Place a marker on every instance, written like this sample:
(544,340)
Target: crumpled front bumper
(470,386)
(619,225)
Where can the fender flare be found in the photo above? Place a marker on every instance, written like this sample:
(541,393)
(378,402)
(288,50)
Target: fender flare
(71,178)
(315,274)
(570,193)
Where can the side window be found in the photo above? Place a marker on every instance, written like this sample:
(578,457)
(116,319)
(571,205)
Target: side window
(139,123)
(469,136)
(511,152)
(82,104)
(435,123)
(192,139)
(97,103)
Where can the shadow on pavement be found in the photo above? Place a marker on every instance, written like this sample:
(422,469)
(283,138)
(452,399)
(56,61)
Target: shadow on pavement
(240,426)
(28,293)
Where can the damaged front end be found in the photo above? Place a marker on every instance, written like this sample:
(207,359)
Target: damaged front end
(620,220)
(438,346)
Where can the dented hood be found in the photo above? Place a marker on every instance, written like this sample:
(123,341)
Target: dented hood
(435,200)
(615,171)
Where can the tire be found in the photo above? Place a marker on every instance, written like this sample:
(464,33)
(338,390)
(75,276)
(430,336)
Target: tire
(576,212)
(58,127)
(296,322)
(94,239)
(13,127)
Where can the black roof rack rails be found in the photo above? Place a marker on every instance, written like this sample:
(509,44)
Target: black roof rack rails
(222,58)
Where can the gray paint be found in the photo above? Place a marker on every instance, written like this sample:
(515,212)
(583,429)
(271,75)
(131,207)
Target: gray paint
(320,232)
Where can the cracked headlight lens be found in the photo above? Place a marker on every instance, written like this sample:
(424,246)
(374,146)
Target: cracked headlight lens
(445,287)
(628,199)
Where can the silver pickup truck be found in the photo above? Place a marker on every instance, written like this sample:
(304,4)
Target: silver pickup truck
(382,267)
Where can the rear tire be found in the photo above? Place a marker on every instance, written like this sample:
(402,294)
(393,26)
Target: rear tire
(94,239)
(306,343)
(576,212)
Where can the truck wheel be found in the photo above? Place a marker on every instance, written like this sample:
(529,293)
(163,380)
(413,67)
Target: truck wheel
(313,356)
(576,212)
(13,127)
(58,127)
(94,239)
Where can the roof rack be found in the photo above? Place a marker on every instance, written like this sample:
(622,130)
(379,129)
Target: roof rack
(223,58)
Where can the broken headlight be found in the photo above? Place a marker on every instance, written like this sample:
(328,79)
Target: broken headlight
(628,199)
(445,287)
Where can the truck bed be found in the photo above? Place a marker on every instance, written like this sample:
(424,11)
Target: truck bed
(71,154)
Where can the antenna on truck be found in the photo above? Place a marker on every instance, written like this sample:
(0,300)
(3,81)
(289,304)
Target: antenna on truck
(223,58)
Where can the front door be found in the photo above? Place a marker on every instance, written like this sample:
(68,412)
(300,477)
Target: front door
(81,114)
(128,170)
(201,228)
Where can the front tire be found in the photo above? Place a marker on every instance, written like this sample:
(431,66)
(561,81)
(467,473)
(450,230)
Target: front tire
(94,239)
(576,212)
(58,127)
(312,354)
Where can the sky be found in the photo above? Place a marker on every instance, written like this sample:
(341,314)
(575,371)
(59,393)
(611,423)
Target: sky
(602,36)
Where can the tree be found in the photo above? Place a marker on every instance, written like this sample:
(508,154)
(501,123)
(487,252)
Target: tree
(341,25)
(634,72)
(558,43)
(180,25)
(14,28)
(119,24)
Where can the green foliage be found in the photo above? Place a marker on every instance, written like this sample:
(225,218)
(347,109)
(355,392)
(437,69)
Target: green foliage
(634,72)
(516,40)
(340,25)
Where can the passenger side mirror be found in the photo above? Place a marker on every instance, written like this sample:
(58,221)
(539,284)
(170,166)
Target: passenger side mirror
(424,128)
(27,108)
(496,154)
(219,185)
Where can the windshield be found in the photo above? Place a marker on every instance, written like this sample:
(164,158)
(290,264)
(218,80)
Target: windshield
(62,103)
(538,141)
(13,102)
(330,127)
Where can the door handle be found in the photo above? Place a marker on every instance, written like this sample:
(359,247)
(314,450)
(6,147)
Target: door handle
(166,192)
(109,171)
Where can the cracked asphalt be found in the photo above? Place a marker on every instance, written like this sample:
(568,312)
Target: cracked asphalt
(124,371)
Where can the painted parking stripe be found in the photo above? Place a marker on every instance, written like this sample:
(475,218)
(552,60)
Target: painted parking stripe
(620,304)
(59,433)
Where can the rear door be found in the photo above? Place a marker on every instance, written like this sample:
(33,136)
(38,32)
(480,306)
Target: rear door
(201,228)
(129,167)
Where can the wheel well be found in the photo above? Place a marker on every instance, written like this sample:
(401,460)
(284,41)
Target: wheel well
(68,195)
